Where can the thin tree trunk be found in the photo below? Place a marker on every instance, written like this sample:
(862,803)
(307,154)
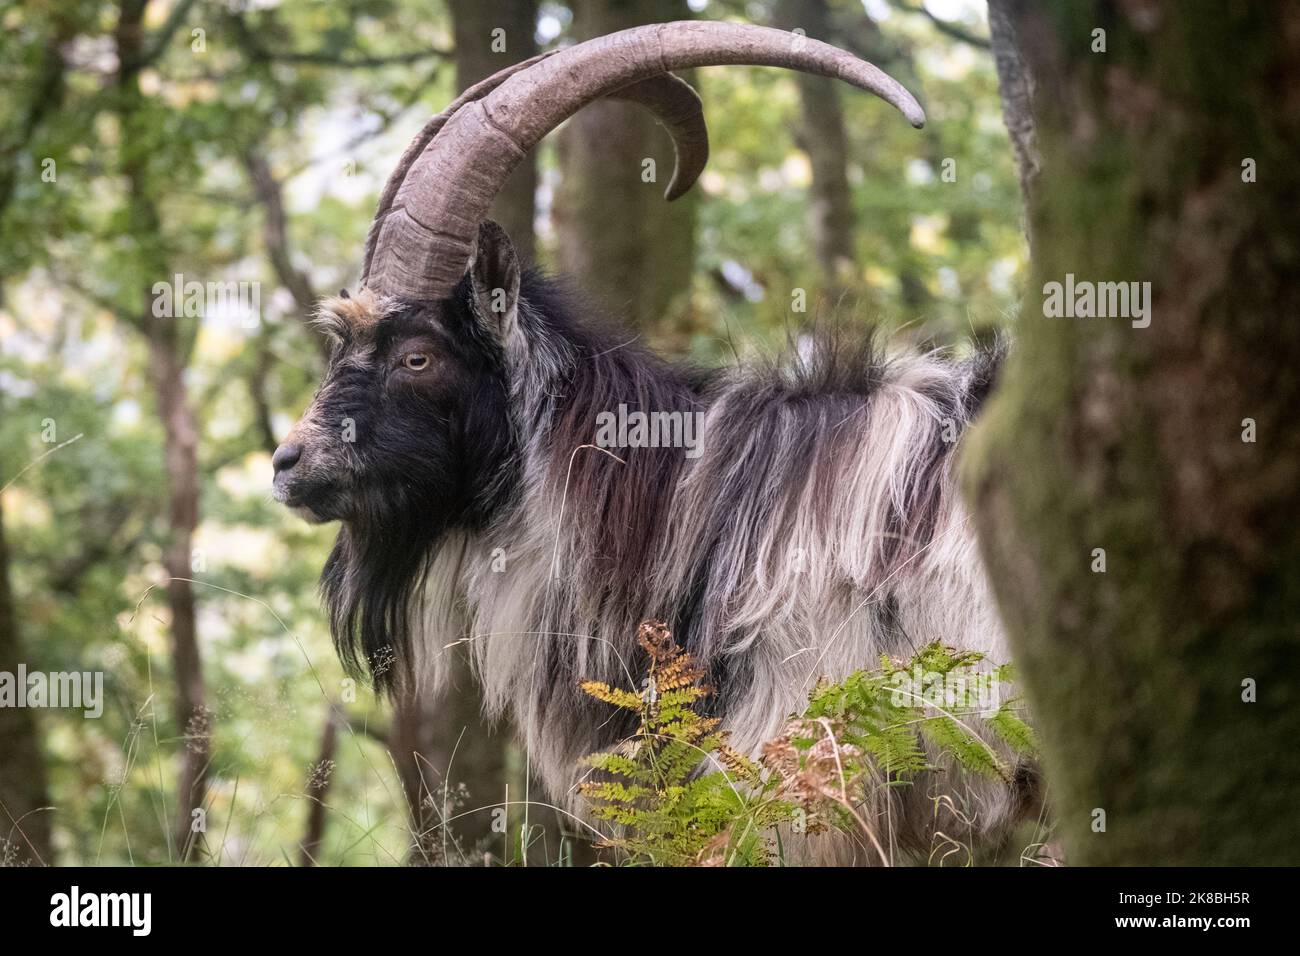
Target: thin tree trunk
(318,786)
(414,747)
(181,454)
(24,823)
(263,426)
(822,137)
(167,360)
(1166,687)
(275,234)
(1016,89)
(622,243)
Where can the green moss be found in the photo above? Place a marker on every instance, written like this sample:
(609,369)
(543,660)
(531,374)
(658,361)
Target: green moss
(1128,439)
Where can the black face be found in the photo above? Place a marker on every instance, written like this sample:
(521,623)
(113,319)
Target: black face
(409,423)
(409,436)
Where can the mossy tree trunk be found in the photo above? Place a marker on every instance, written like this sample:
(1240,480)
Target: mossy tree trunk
(1016,90)
(1136,440)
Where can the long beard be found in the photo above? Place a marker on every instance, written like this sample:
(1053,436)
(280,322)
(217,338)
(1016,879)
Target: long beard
(370,583)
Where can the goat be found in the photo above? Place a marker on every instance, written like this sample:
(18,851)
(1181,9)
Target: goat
(453,438)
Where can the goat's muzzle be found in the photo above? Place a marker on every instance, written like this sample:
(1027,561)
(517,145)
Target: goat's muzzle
(301,487)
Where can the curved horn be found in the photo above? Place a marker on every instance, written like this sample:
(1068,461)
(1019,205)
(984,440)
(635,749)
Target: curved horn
(421,241)
(672,101)
(677,106)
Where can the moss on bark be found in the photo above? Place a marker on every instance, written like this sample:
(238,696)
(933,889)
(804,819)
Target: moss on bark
(1130,439)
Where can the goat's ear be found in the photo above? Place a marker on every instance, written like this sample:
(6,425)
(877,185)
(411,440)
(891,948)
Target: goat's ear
(494,275)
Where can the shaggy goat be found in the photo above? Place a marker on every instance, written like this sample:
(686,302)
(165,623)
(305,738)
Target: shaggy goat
(453,439)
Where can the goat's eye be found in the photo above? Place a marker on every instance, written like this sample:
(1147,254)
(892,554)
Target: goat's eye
(416,361)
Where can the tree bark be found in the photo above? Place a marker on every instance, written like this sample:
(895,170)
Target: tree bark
(453,769)
(181,453)
(1107,436)
(473,23)
(620,241)
(1016,89)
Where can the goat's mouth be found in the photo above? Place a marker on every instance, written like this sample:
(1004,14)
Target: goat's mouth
(312,499)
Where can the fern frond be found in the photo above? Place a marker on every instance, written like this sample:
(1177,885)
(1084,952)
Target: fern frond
(683,796)
(611,695)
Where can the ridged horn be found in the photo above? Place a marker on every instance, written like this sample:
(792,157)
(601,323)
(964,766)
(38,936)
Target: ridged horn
(672,101)
(422,238)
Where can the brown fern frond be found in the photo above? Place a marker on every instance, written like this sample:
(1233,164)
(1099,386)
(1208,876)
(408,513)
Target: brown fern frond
(737,763)
(654,636)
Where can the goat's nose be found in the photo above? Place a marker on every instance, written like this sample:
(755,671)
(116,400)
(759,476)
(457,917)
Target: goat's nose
(286,456)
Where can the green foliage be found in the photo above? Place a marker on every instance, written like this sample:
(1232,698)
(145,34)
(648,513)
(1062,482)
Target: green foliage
(877,712)
(649,786)
(680,795)
(936,257)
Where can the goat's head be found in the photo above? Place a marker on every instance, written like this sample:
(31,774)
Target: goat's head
(412,411)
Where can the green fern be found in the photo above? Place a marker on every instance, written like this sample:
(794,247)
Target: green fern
(681,796)
(671,811)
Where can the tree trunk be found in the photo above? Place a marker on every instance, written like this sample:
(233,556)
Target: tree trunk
(167,359)
(24,824)
(181,453)
(473,23)
(822,138)
(620,241)
(318,786)
(1016,89)
(24,819)
(1166,688)
(453,769)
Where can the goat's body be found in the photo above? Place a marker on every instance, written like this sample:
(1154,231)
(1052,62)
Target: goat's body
(818,529)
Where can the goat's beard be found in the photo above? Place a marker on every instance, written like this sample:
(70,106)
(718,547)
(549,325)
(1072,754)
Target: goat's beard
(370,583)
